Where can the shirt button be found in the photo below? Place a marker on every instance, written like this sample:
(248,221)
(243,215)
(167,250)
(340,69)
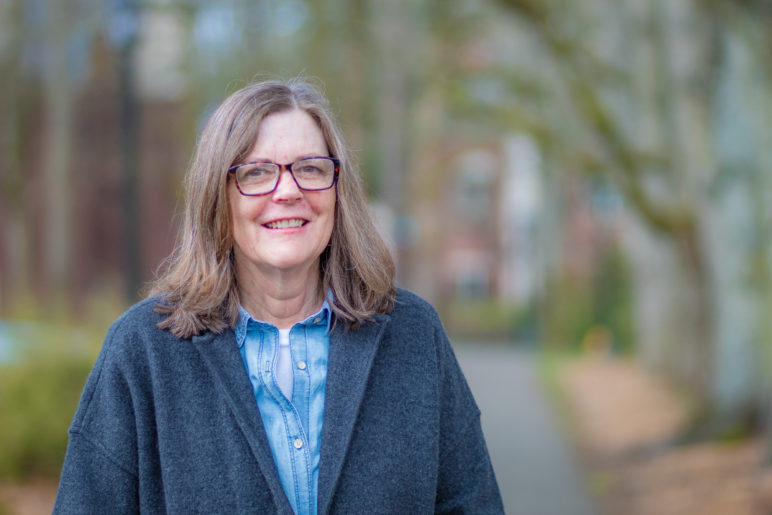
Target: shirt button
(302,365)
(298,443)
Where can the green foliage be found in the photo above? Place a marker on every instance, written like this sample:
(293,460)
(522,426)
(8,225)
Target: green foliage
(39,392)
(37,401)
(579,309)
(488,319)
(612,300)
(567,311)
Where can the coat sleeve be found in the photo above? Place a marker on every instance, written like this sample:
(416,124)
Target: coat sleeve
(99,474)
(466,481)
(91,482)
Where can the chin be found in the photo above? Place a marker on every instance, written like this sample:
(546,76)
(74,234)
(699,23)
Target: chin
(291,262)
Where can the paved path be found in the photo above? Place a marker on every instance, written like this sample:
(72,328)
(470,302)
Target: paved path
(534,465)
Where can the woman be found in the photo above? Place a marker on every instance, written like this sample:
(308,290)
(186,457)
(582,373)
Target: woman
(277,369)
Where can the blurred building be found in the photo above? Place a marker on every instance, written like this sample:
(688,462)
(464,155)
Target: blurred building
(95,144)
(491,209)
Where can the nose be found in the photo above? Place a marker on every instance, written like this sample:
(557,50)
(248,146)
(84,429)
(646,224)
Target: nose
(287,189)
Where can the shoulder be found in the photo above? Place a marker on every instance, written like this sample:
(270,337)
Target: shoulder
(141,318)
(410,308)
(415,328)
(135,332)
(133,346)
(140,314)
(414,322)
(119,385)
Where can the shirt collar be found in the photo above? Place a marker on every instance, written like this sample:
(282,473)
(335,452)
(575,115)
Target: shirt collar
(323,316)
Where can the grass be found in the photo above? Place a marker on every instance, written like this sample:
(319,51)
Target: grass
(550,363)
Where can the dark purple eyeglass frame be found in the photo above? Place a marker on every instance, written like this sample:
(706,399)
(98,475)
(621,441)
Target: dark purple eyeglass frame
(288,167)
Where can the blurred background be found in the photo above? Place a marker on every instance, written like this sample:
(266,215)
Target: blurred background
(582,187)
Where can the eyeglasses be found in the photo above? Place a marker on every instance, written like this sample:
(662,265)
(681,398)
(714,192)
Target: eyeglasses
(309,173)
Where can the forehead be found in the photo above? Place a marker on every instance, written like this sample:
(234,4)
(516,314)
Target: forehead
(287,135)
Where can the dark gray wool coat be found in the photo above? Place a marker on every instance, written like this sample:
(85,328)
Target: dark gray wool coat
(167,425)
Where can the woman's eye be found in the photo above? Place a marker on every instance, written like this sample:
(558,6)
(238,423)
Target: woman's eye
(310,170)
(256,172)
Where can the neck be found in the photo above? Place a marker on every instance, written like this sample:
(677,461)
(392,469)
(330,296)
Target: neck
(281,299)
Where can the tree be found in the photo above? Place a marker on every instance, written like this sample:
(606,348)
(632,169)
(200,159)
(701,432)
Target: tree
(638,86)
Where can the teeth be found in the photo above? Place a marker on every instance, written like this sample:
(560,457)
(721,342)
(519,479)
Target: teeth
(285,224)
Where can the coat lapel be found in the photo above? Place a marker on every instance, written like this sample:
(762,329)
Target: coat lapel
(349,363)
(221,354)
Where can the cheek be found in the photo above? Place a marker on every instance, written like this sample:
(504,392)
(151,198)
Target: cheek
(243,209)
(240,213)
(329,211)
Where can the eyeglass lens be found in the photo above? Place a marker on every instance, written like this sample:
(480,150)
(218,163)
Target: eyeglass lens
(316,173)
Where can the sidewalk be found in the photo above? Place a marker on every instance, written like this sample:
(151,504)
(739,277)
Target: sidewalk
(535,466)
(623,416)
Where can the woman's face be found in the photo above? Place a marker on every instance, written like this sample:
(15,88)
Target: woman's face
(261,243)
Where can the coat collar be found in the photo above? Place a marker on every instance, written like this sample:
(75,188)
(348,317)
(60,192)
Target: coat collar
(349,365)
(221,355)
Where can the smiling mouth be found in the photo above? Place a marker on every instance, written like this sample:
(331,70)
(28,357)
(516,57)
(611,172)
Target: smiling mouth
(286,224)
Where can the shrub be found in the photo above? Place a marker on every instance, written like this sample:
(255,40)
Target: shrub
(39,392)
(490,319)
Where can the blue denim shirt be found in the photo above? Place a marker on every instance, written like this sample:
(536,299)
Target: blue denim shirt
(293,426)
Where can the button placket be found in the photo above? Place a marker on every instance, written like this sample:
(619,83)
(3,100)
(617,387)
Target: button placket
(299,449)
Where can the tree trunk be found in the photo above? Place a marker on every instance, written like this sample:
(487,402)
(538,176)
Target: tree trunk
(14,102)
(57,147)
(129,152)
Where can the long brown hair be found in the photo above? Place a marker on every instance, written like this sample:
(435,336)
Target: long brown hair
(198,282)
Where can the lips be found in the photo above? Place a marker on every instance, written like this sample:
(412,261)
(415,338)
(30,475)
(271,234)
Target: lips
(289,223)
